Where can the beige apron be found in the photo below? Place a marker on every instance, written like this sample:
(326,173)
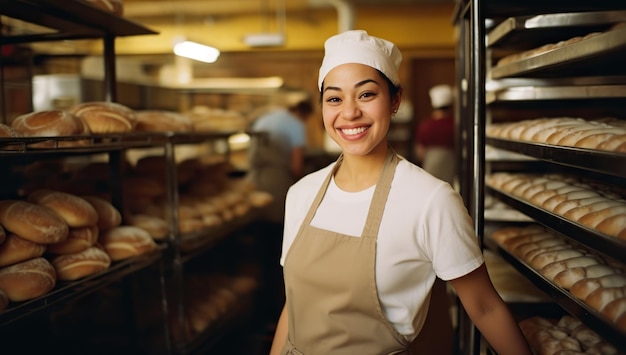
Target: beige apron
(330,279)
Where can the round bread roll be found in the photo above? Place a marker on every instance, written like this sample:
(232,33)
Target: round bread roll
(27,280)
(108,215)
(583,288)
(599,298)
(76,211)
(82,264)
(126,241)
(105,117)
(51,123)
(551,270)
(162,121)
(16,249)
(78,239)
(155,226)
(34,222)
(568,277)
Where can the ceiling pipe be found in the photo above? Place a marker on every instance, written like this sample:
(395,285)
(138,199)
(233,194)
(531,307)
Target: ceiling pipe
(346,14)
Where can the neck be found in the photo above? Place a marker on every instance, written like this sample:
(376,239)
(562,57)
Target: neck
(358,172)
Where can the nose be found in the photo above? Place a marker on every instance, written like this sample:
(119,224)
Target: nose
(350,110)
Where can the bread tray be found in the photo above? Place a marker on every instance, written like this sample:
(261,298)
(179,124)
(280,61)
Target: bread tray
(600,55)
(531,31)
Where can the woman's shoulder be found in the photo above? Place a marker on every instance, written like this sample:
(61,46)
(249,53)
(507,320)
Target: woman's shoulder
(312,180)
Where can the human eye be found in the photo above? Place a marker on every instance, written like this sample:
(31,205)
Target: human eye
(367,95)
(332,99)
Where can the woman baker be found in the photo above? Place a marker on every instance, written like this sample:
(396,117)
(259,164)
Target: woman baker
(366,237)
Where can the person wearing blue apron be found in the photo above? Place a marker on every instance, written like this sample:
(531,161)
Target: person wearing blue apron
(366,237)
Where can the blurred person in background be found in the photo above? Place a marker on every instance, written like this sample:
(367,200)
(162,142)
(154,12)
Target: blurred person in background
(434,139)
(276,163)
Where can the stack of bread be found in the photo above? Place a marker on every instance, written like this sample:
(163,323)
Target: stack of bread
(590,204)
(207,119)
(208,197)
(512,58)
(597,280)
(54,236)
(566,335)
(606,134)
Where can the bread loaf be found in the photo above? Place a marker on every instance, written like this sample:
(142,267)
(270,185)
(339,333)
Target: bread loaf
(108,215)
(522,250)
(599,298)
(615,309)
(82,264)
(16,249)
(544,258)
(613,226)
(577,213)
(569,205)
(51,123)
(105,117)
(78,239)
(155,226)
(76,211)
(592,219)
(33,222)
(570,276)
(27,280)
(583,288)
(552,269)
(126,241)
(162,121)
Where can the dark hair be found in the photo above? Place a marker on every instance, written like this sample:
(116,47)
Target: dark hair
(393,89)
(303,108)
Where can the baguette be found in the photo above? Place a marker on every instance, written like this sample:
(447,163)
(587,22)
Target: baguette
(614,309)
(592,219)
(613,226)
(544,258)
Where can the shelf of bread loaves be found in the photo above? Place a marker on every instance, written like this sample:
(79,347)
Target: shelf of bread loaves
(592,144)
(73,19)
(590,212)
(588,285)
(56,245)
(594,54)
(532,31)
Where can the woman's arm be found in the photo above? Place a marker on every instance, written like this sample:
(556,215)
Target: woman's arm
(489,313)
(280,337)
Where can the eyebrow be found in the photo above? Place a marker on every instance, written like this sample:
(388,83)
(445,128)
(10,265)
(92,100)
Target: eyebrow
(359,84)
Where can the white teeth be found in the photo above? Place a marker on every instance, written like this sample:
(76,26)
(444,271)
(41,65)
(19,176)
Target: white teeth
(351,131)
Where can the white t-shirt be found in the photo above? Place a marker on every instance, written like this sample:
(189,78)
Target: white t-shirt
(425,232)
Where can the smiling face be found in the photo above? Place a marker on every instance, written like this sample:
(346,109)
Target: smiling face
(357,108)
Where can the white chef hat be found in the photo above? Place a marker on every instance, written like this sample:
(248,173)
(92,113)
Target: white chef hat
(440,96)
(356,46)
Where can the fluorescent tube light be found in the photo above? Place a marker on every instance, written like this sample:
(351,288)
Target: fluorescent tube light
(196,51)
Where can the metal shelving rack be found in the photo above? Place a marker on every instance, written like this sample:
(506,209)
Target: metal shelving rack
(488,29)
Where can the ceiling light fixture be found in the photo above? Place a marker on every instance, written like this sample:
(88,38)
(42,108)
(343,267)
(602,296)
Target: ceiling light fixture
(196,51)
